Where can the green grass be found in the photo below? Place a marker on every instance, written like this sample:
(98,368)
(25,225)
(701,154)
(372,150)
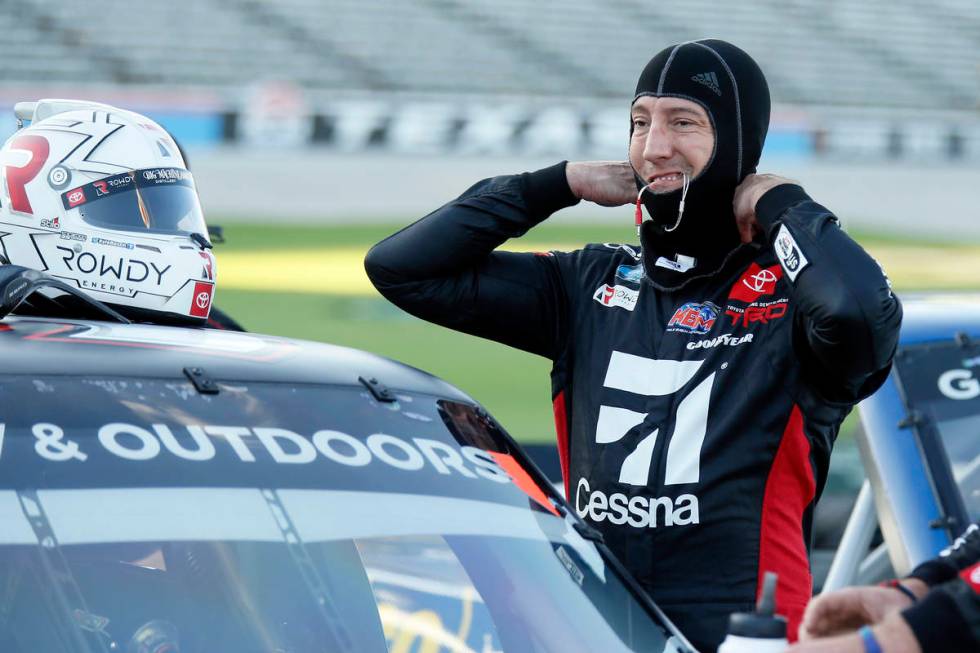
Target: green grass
(243,236)
(513,385)
(248,236)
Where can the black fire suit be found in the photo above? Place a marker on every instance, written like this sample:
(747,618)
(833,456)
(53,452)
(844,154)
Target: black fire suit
(695,425)
(948,618)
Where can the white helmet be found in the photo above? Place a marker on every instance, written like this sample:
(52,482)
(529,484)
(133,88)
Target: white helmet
(101,198)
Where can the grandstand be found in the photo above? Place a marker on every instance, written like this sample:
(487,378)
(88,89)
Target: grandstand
(458,89)
(454,90)
(882,53)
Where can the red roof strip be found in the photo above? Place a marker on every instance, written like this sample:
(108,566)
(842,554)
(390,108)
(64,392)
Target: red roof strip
(523,480)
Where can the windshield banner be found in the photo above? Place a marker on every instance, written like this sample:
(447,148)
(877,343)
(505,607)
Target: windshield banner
(155,433)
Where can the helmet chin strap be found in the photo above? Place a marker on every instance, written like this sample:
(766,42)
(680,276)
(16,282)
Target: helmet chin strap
(680,209)
(638,216)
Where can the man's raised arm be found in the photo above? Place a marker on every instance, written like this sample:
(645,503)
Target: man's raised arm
(443,268)
(850,319)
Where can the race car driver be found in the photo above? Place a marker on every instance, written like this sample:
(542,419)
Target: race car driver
(101,199)
(699,380)
(935,609)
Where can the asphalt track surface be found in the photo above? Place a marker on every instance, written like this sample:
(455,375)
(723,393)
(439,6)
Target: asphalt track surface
(936,200)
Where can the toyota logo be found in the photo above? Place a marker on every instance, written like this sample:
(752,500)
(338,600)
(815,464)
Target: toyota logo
(203,299)
(759,280)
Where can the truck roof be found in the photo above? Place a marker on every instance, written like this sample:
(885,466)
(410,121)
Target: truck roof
(45,346)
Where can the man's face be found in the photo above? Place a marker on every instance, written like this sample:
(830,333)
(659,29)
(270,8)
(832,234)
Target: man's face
(671,136)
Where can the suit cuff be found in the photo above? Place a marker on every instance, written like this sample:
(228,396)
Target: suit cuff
(776,201)
(547,191)
(937,623)
(934,572)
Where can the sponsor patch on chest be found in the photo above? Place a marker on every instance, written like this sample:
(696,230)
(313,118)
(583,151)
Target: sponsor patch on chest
(757,312)
(682,264)
(617,295)
(694,317)
(721,341)
(751,301)
(754,283)
(630,273)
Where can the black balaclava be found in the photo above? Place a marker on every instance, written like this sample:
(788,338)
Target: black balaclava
(731,88)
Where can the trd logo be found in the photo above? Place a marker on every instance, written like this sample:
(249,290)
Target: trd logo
(761,314)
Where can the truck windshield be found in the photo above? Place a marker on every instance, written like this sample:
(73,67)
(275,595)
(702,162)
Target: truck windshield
(941,382)
(140,515)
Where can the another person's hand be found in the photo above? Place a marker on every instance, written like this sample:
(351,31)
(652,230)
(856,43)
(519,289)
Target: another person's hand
(892,634)
(747,195)
(607,183)
(850,643)
(848,609)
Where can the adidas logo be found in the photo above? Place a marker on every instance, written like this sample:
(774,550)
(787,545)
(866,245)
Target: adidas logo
(709,80)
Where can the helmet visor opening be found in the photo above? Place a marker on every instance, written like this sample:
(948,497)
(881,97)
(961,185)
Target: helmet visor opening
(155,200)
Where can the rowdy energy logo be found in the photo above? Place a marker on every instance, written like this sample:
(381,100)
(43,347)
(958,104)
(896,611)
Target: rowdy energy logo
(694,317)
(620,296)
(122,268)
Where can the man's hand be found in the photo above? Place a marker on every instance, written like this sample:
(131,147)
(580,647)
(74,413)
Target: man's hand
(849,609)
(892,634)
(747,195)
(607,183)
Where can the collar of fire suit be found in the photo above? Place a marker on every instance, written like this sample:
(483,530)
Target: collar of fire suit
(708,263)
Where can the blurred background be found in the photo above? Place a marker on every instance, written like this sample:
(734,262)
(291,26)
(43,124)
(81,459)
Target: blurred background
(317,127)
